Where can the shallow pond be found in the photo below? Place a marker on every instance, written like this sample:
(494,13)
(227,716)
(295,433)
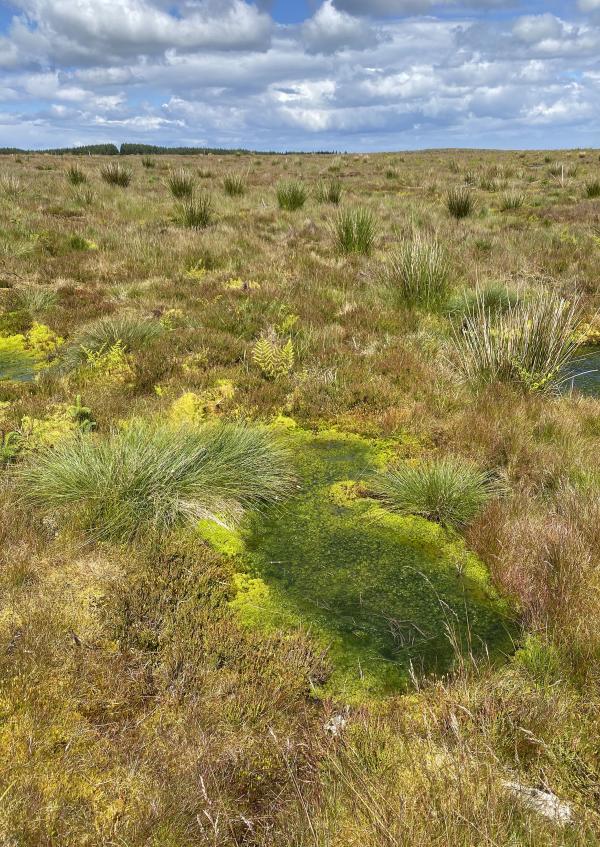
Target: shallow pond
(583,374)
(382,593)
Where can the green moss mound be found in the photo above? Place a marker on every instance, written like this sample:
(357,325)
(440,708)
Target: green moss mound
(384,594)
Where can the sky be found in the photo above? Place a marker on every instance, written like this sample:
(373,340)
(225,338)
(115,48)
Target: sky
(356,75)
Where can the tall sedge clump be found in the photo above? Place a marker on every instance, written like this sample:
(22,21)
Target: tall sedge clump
(355,231)
(114,173)
(449,491)
(460,202)
(75,175)
(181,183)
(592,189)
(419,273)
(197,212)
(528,344)
(329,192)
(291,195)
(155,478)
(234,185)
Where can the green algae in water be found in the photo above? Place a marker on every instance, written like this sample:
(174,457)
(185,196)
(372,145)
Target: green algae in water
(382,593)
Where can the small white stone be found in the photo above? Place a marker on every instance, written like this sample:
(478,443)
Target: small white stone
(544,802)
(335,724)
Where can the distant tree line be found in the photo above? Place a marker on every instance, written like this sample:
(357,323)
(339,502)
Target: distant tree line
(142,149)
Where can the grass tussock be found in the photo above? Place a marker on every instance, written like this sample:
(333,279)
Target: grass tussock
(419,273)
(76,175)
(329,191)
(291,195)
(180,183)
(131,332)
(529,344)
(511,201)
(147,479)
(592,189)
(198,212)
(355,231)
(460,202)
(10,185)
(234,185)
(114,173)
(447,491)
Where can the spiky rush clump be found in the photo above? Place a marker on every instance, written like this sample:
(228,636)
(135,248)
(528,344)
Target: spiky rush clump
(181,183)
(448,491)
(154,478)
(355,231)
(329,192)
(420,273)
(234,185)
(460,202)
(291,195)
(529,344)
(197,212)
(114,173)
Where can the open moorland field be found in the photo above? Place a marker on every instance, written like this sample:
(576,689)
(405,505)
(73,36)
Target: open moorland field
(300,500)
